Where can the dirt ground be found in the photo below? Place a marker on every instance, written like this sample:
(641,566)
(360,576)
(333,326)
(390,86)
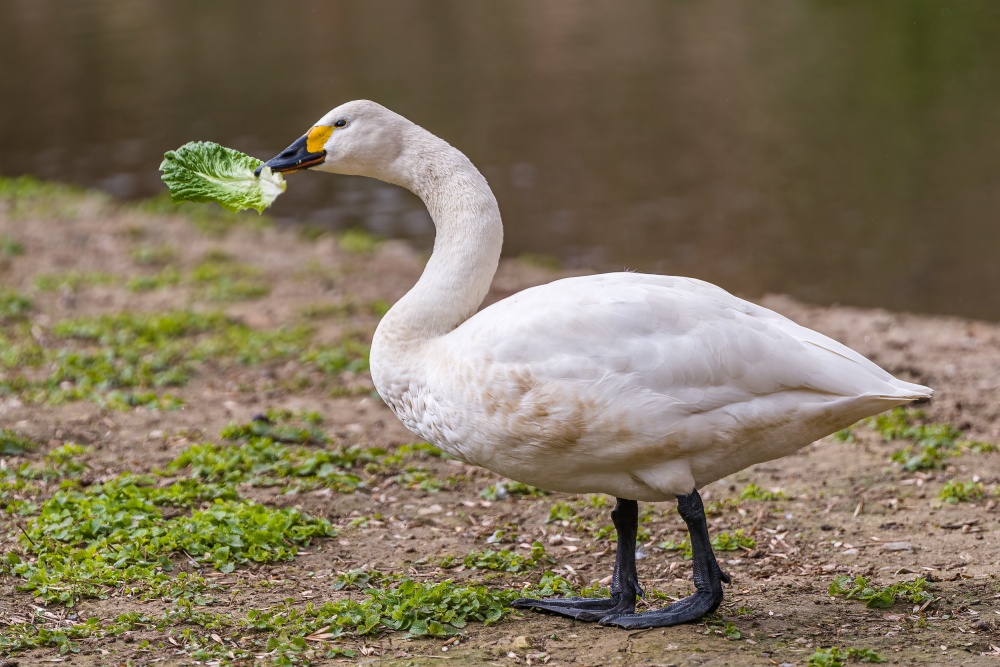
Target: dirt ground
(848,509)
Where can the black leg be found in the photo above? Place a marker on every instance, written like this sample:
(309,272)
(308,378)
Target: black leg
(708,577)
(624,580)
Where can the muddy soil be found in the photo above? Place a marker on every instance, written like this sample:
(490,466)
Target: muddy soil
(848,509)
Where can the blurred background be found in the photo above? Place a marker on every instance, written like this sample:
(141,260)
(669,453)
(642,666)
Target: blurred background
(841,152)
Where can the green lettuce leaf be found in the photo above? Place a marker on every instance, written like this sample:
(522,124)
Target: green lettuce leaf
(203,171)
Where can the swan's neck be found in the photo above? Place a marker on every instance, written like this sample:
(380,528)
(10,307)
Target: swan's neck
(467,244)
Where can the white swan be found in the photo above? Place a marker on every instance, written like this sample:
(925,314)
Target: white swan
(640,386)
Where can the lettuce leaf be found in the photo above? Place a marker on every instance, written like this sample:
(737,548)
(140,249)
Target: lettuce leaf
(204,171)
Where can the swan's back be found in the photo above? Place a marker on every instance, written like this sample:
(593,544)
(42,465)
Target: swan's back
(652,383)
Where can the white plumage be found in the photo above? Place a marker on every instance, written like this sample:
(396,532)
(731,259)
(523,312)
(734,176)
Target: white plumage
(633,385)
(640,386)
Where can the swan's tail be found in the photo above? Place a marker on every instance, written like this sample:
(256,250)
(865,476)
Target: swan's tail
(906,392)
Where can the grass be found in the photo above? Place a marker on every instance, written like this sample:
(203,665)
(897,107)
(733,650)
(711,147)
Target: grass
(12,444)
(510,488)
(862,588)
(754,492)
(358,241)
(724,541)
(835,657)
(504,560)
(962,492)
(229,281)
(88,542)
(10,246)
(129,359)
(264,453)
(14,306)
(931,443)
(140,535)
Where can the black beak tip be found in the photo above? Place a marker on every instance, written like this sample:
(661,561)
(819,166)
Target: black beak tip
(256,172)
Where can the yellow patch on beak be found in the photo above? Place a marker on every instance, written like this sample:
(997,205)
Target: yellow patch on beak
(317,138)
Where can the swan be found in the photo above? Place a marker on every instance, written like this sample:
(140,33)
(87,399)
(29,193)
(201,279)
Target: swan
(643,387)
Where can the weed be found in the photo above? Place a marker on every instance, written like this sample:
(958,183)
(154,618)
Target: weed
(10,247)
(351,355)
(86,543)
(502,490)
(560,511)
(379,307)
(262,462)
(358,241)
(268,426)
(12,444)
(137,353)
(210,220)
(167,277)
(506,560)
(73,280)
(754,492)
(861,588)
(229,281)
(722,542)
(961,492)
(154,255)
(13,306)
(932,443)
(835,657)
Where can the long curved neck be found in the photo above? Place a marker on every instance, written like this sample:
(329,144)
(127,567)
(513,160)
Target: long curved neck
(469,235)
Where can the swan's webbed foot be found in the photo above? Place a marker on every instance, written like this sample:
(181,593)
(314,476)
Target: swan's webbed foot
(708,578)
(581,609)
(624,581)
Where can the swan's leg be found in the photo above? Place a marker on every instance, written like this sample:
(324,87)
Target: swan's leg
(708,577)
(624,580)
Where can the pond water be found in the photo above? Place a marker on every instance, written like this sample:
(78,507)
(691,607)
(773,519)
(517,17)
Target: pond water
(836,151)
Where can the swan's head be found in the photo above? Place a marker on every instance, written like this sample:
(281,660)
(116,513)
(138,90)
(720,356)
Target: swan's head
(357,138)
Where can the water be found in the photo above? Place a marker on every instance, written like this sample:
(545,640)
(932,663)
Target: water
(841,152)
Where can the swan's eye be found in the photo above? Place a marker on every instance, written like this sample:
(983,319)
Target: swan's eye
(340,123)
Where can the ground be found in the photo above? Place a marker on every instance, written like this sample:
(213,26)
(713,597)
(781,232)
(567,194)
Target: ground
(225,360)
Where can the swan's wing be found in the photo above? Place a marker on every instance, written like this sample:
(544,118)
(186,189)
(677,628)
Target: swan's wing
(675,337)
(642,386)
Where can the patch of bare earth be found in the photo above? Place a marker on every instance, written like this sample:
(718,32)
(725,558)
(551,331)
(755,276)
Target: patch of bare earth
(848,508)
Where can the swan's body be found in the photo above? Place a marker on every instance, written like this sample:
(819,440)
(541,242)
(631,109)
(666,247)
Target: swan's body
(640,386)
(637,386)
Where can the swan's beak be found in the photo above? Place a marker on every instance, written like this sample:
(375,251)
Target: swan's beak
(297,156)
